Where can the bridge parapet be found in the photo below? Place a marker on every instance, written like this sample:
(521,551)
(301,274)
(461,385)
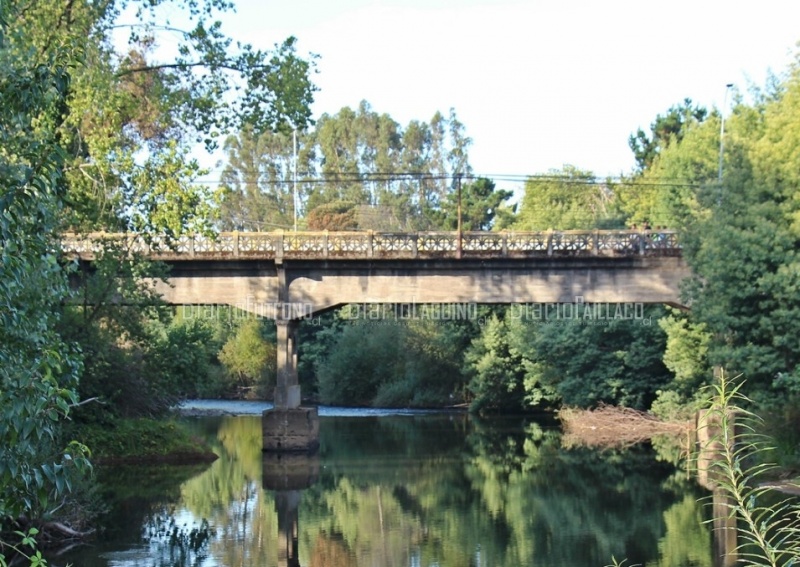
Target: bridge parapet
(281,245)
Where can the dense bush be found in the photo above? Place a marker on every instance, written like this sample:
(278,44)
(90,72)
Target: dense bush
(250,359)
(413,363)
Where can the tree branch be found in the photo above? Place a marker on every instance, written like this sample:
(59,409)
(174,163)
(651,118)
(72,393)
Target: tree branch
(149,68)
(89,400)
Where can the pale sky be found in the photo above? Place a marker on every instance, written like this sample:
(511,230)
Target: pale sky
(538,84)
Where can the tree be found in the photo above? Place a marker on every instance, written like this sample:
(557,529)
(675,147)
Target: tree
(588,361)
(665,193)
(340,143)
(248,357)
(38,370)
(133,116)
(740,237)
(185,355)
(686,353)
(389,357)
(336,215)
(359,163)
(538,356)
(364,357)
(564,200)
(666,129)
(257,182)
(480,203)
(496,370)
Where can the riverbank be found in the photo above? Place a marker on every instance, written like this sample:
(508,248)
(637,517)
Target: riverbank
(133,441)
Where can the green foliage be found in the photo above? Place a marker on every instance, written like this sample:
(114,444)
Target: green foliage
(528,359)
(38,370)
(739,236)
(392,362)
(496,370)
(248,357)
(681,151)
(667,129)
(686,353)
(618,362)
(116,319)
(741,242)
(138,362)
(669,405)
(356,169)
(768,530)
(364,357)
(317,338)
(140,439)
(162,201)
(123,127)
(257,182)
(133,116)
(27,548)
(566,199)
(480,203)
(185,357)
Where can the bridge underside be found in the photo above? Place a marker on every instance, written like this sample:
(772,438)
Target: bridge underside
(290,291)
(299,289)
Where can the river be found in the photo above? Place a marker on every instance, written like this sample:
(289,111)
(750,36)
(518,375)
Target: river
(404,489)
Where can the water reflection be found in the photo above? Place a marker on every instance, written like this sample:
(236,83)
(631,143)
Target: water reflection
(442,490)
(288,476)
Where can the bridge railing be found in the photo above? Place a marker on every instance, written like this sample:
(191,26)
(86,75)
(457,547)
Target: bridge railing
(382,245)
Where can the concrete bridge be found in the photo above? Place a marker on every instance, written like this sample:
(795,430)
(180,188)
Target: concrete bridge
(288,276)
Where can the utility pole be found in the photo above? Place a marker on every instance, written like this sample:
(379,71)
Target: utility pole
(294,160)
(459,243)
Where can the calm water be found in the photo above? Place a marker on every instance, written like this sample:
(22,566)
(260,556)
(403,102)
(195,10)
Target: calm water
(404,490)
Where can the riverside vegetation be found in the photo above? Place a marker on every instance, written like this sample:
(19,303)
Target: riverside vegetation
(95,139)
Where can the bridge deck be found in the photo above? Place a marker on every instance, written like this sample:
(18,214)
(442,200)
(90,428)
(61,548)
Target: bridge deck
(383,245)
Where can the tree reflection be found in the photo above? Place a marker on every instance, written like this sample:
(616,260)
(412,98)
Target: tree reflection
(447,491)
(175,545)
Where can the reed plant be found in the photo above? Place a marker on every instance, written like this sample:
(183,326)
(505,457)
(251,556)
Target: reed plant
(767,521)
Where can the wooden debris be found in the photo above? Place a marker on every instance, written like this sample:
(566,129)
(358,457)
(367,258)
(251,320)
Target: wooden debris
(614,427)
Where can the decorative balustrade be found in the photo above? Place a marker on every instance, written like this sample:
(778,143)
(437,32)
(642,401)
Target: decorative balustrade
(382,245)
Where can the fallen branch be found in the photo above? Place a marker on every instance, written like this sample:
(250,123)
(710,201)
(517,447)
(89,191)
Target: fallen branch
(614,427)
(66,530)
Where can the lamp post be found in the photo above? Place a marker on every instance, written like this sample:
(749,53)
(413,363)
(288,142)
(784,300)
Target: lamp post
(722,128)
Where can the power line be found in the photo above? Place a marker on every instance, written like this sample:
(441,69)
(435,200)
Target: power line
(398,177)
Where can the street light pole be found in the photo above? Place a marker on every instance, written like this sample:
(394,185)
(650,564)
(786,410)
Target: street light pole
(722,129)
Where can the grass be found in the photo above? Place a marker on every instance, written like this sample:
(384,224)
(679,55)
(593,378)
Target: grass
(142,440)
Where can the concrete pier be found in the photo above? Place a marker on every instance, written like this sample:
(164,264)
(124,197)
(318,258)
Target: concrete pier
(290,430)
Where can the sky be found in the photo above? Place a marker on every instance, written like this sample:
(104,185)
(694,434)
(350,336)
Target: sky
(539,83)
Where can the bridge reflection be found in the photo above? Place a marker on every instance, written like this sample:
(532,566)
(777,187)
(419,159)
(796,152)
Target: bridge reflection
(288,475)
